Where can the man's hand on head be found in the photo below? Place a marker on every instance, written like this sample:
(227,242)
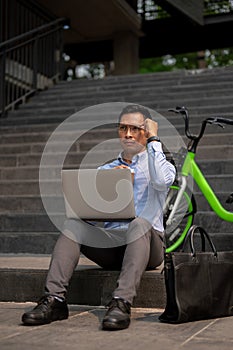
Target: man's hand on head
(151,128)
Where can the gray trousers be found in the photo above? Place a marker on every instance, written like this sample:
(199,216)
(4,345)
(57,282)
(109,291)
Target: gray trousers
(132,259)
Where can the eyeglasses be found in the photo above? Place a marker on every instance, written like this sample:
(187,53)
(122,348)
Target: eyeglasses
(133,129)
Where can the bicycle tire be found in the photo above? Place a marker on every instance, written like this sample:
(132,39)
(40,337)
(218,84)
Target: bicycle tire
(182,220)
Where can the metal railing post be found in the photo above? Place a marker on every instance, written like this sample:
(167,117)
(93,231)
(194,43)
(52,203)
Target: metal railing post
(2,82)
(35,63)
(60,66)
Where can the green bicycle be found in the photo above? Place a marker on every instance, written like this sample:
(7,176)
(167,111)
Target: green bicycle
(180,206)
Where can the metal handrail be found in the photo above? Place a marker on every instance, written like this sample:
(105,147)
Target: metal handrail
(29,62)
(32,32)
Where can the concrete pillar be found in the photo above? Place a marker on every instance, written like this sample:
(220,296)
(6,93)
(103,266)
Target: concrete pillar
(126,53)
(201,60)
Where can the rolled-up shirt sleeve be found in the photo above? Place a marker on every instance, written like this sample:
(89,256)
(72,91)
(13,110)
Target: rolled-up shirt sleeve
(162,172)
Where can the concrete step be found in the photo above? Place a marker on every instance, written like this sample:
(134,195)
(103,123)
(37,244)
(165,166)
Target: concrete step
(20,120)
(15,124)
(85,145)
(39,242)
(31,187)
(212,166)
(222,138)
(163,100)
(35,124)
(33,204)
(27,187)
(213,224)
(97,157)
(20,160)
(202,93)
(32,172)
(28,203)
(42,137)
(20,198)
(203,205)
(32,148)
(215,151)
(222,104)
(220,183)
(24,138)
(90,284)
(106,132)
(34,242)
(20,204)
(29,222)
(146,80)
(217,71)
(208,167)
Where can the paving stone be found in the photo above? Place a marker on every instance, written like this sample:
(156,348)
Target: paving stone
(82,330)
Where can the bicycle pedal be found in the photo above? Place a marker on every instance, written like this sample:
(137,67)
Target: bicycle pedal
(230,198)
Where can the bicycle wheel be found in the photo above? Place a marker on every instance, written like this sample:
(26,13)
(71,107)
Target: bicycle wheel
(176,231)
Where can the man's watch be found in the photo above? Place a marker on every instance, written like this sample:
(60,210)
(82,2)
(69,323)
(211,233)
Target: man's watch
(153,138)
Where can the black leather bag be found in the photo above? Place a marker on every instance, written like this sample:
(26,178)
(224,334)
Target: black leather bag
(199,285)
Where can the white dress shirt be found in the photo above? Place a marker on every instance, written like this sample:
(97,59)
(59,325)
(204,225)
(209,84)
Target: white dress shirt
(153,175)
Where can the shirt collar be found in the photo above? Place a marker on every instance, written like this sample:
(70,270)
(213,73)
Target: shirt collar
(137,158)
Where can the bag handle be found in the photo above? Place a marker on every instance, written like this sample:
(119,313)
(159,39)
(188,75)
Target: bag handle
(187,237)
(204,235)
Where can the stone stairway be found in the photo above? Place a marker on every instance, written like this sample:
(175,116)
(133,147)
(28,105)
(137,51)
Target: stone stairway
(24,224)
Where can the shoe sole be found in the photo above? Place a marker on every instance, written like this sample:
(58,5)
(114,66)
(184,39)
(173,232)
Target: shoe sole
(32,321)
(113,326)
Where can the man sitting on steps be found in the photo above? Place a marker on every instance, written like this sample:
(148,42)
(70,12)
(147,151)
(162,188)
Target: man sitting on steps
(144,241)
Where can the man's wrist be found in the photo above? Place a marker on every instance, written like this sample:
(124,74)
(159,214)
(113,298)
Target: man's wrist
(153,138)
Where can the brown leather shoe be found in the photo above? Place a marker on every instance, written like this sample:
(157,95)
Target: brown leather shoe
(118,315)
(48,309)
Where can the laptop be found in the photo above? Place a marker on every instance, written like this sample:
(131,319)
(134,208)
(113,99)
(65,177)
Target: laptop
(98,194)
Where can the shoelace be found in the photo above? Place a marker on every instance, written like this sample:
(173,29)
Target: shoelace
(122,305)
(44,301)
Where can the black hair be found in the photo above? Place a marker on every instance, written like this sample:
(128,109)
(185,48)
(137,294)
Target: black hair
(135,109)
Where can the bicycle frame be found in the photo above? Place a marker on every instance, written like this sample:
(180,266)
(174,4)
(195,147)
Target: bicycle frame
(190,167)
(189,205)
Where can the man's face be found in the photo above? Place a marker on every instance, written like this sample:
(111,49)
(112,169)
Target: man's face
(131,133)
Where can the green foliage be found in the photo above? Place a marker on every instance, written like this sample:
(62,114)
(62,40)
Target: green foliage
(148,65)
(213,7)
(149,10)
(214,58)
